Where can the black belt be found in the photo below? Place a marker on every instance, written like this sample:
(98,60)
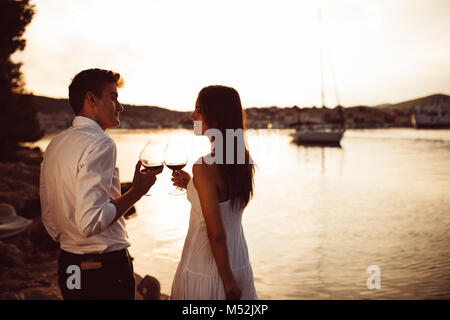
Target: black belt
(103,257)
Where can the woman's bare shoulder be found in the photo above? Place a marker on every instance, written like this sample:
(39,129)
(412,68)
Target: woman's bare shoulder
(209,176)
(205,171)
(202,168)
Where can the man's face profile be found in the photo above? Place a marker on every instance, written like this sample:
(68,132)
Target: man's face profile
(107,107)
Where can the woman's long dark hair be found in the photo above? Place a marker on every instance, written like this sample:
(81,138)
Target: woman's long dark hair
(221,109)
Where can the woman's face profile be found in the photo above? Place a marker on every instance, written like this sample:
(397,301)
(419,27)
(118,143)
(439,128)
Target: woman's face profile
(197,117)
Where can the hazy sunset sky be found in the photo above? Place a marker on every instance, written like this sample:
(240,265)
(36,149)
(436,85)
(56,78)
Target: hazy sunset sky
(382,51)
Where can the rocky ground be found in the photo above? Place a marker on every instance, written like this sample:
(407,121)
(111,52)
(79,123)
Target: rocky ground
(28,261)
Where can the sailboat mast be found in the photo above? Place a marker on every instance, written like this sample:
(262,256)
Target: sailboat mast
(322,92)
(335,86)
(331,65)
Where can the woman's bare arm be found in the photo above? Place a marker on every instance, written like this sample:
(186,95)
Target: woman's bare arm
(209,201)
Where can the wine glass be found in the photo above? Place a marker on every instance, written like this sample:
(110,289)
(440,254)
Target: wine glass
(176,158)
(152,157)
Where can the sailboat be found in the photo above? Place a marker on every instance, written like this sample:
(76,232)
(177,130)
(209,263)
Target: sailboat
(318,136)
(323,134)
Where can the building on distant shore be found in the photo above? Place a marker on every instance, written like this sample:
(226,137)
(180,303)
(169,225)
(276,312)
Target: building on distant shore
(56,115)
(433,113)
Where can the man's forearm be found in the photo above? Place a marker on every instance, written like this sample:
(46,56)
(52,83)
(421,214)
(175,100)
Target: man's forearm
(125,202)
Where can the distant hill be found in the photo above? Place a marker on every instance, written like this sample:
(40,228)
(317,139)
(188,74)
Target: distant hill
(408,106)
(384,105)
(56,114)
(48,105)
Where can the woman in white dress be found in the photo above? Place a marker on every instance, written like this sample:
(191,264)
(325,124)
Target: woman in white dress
(214,263)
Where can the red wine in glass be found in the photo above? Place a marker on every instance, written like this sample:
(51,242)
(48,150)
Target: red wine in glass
(175,167)
(153,167)
(152,157)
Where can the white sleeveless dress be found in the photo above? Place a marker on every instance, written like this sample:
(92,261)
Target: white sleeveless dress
(197,277)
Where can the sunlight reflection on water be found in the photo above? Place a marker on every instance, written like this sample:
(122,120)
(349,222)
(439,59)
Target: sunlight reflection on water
(320,216)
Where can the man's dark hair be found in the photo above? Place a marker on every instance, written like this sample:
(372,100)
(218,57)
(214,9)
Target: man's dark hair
(91,80)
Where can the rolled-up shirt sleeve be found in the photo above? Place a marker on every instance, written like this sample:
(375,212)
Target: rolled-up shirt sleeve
(94,211)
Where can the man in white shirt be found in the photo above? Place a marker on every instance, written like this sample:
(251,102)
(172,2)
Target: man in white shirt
(81,201)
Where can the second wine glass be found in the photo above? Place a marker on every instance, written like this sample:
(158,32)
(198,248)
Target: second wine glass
(176,158)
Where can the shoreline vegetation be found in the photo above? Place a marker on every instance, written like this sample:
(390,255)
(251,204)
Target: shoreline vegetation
(29,260)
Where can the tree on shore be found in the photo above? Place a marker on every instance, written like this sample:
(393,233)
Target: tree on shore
(18,122)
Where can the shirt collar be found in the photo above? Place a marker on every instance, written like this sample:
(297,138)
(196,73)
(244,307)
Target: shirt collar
(84,121)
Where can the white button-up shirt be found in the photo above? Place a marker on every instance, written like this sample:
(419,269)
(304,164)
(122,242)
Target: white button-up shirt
(78,179)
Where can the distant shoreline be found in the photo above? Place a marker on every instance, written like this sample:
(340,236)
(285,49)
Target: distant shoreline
(56,114)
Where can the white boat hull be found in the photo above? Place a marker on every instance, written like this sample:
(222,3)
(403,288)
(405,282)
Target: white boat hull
(318,137)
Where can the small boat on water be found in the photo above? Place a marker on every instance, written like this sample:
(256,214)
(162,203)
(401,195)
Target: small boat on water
(10,223)
(324,134)
(318,135)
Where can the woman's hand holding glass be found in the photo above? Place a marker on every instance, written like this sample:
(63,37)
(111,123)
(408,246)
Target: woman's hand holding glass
(176,158)
(180,178)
